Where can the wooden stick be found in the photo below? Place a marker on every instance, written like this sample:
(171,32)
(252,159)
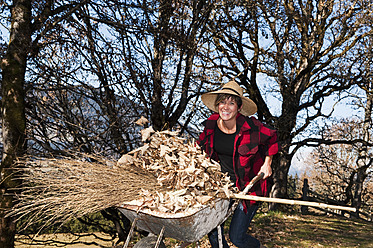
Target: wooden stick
(252,182)
(292,202)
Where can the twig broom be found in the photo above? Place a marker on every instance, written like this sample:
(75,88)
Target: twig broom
(57,190)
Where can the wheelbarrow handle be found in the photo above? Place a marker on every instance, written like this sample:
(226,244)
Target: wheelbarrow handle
(252,182)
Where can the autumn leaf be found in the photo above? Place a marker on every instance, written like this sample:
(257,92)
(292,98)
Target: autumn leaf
(146,133)
(142,121)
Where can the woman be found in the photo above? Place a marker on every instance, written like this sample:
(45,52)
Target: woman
(244,148)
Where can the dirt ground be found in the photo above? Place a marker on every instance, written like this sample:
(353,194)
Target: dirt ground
(274,230)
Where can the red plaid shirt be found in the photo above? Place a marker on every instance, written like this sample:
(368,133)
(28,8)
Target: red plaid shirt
(253,142)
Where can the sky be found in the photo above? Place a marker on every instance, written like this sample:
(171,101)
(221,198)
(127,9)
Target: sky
(344,109)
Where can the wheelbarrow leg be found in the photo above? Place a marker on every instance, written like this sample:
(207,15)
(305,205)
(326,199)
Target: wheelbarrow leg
(160,237)
(129,236)
(220,237)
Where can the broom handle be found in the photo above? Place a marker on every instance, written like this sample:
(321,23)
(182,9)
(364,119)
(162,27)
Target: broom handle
(292,202)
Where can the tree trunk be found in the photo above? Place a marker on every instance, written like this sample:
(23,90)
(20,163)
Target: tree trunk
(282,161)
(280,179)
(13,111)
(363,161)
(161,40)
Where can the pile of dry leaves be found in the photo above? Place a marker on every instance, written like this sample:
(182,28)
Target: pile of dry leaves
(167,174)
(191,179)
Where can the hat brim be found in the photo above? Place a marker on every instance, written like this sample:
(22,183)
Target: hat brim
(248,106)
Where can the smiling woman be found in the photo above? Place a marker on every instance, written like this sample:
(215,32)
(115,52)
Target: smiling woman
(244,148)
(228,107)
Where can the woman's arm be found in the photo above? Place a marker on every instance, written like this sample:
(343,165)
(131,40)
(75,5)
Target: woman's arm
(266,167)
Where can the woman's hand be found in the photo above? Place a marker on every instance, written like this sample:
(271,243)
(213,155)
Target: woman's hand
(266,167)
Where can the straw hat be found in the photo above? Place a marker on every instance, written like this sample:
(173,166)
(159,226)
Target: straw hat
(232,88)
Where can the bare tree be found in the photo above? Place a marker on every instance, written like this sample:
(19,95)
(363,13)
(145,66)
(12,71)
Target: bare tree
(95,66)
(160,42)
(364,160)
(24,26)
(355,170)
(145,64)
(99,73)
(13,67)
(298,47)
(337,170)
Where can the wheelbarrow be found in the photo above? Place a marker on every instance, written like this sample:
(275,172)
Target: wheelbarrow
(188,227)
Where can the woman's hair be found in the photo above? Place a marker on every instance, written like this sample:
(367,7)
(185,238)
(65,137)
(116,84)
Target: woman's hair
(223,96)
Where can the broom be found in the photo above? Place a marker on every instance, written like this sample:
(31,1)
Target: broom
(58,190)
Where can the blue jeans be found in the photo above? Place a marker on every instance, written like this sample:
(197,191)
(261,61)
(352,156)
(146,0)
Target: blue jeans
(237,230)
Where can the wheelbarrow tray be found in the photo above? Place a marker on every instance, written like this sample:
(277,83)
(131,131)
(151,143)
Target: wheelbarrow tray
(189,226)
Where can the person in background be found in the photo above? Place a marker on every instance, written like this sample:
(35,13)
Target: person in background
(244,147)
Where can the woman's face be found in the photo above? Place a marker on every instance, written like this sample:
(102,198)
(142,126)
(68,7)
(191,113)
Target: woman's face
(228,109)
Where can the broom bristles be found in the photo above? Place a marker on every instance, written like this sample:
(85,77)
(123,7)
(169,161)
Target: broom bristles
(70,188)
